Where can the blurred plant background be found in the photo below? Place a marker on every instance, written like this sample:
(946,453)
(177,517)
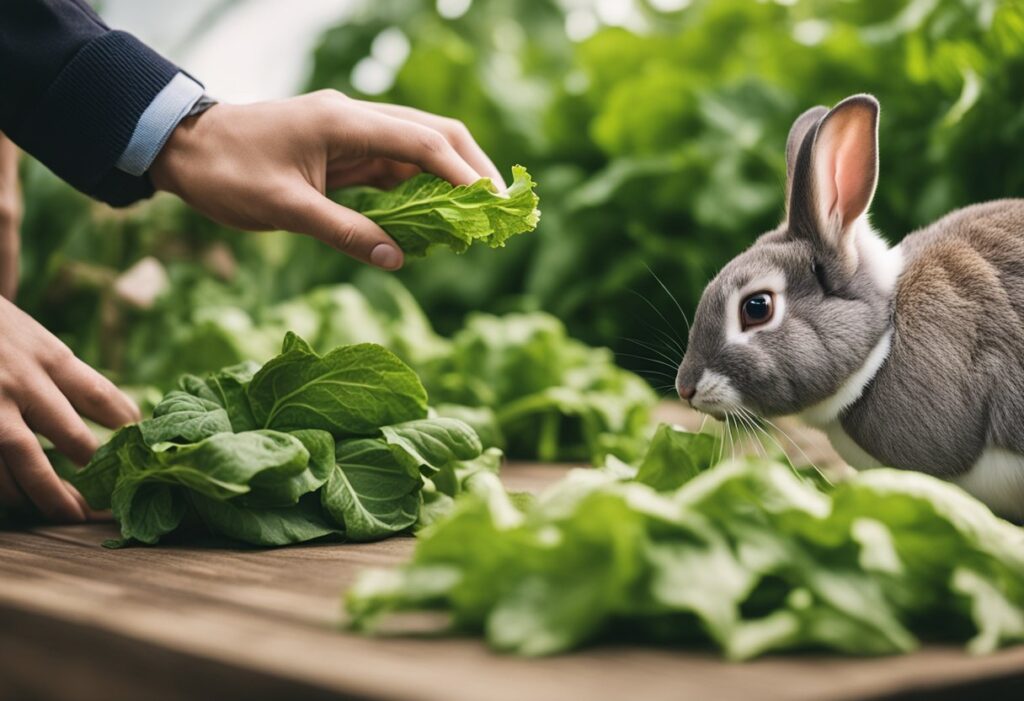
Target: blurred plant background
(655,129)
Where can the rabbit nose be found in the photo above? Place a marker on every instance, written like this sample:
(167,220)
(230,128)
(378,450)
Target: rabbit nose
(686,392)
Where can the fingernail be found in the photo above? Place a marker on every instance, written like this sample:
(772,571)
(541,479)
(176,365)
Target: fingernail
(385,256)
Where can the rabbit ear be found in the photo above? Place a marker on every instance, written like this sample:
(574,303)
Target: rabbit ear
(834,173)
(797,133)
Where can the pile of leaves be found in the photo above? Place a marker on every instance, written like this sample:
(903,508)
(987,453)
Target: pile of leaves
(746,554)
(532,389)
(308,446)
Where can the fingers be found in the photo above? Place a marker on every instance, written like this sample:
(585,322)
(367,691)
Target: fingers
(409,142)
(10,495)
(454,131)
(382,173)
(91,514)
(51,414)
(93,395)
(350,232)
(27,464)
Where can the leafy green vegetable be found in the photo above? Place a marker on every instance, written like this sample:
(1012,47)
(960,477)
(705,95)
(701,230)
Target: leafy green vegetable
(427,211)
(744,553)
(344,447)
(520,380)
(350,391)
(297,524)
(554,398)
(433,443)
(370,490)
(185,418)
(675,457)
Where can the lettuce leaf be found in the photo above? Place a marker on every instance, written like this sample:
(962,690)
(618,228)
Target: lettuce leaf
(427,211)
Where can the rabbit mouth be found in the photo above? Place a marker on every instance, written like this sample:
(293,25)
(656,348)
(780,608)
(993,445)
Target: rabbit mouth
(715,395)
(717,414)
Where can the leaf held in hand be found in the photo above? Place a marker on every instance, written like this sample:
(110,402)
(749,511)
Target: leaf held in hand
(427,211)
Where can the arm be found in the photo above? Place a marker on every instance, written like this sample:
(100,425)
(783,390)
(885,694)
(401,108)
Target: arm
(72,93)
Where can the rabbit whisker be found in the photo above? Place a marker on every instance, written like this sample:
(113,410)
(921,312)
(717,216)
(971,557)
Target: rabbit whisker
(663,318)
(810,462)
(653,349)
(728,431)
(671,296)
(751,434)
(753,423)
(649,359)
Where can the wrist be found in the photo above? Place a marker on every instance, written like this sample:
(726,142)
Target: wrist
(184,145)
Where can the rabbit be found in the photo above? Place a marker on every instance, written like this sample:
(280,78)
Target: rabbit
(909,356)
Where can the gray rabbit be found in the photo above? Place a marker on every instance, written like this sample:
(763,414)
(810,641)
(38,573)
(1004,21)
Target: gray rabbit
(909,356)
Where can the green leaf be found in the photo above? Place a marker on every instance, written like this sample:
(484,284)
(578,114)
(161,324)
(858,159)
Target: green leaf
(273,487)
(481,419)
(226,464)
(229,385)
(674,457)
(293,342)
(226,388)
(265,527)
(431,443)
(277,488)
(184,418)
(369,491)
(351,391)
(147,511)
(97,480)
(427,211)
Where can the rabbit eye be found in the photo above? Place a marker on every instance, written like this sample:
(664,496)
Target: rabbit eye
(757,309)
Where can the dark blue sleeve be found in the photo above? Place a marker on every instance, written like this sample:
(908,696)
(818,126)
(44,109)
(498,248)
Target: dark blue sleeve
(72,91)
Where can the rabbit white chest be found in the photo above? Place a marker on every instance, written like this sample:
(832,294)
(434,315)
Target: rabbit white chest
(825,414)
(997,479)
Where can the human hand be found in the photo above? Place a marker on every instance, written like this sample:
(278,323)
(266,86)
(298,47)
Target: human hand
(10,218)
(44,388)
(267,165)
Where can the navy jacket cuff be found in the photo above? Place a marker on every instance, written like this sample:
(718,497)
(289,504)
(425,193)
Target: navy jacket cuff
(86,118)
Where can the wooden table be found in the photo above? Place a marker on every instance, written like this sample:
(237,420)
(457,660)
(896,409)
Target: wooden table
(81,622)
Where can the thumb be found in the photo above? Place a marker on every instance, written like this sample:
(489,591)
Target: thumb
(344,229)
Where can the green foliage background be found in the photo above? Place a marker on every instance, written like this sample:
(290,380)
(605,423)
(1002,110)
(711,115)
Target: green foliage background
(657,148)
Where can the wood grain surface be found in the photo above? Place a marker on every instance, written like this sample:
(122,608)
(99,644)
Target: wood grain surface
(175,622)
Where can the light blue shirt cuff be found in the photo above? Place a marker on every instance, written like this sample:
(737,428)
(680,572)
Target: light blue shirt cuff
(157,122)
